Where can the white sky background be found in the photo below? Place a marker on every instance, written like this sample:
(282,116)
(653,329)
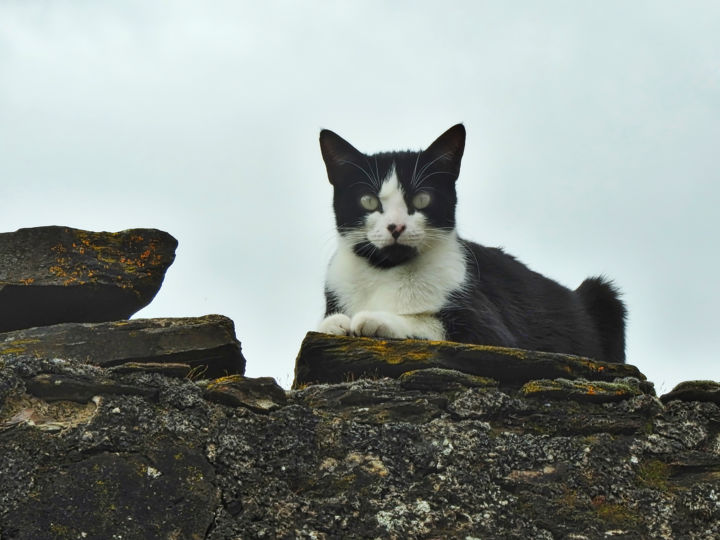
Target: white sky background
(593,145)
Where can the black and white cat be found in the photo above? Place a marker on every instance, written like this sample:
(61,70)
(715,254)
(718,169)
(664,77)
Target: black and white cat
(401,271)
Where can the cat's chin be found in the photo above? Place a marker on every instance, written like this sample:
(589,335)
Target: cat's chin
(387,257)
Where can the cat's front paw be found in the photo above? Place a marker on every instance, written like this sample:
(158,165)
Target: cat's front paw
(377,324)
(337,324)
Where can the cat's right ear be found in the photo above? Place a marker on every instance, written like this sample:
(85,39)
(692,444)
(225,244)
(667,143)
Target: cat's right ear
(336,153)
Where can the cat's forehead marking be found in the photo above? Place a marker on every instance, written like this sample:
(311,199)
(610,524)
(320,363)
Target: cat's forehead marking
(391,187)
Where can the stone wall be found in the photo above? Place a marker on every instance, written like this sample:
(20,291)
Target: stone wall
(148,429)
(434,454)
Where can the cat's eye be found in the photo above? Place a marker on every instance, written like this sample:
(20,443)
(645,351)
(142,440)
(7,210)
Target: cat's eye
(421,200)
(369,202)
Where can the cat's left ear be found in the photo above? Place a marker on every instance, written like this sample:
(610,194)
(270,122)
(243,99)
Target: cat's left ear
(336,153)
(447,150)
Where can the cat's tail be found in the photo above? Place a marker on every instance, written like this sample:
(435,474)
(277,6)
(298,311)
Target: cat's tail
(602,300)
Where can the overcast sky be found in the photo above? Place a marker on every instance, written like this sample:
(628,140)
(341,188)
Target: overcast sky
(593,145)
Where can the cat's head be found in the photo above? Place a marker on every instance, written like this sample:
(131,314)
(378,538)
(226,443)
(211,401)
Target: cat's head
(392,206)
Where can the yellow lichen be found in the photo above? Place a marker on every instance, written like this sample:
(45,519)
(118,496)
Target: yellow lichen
(110,250)
(16,346)
(222,381)
(389,351)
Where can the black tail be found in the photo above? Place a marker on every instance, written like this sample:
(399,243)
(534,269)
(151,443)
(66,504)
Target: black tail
(602,300)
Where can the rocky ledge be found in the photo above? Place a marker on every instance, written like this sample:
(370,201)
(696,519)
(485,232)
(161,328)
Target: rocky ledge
(430,452)
(329,359)
(198,346)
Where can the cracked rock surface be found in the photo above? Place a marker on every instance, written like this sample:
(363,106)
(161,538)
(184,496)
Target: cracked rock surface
(434,453)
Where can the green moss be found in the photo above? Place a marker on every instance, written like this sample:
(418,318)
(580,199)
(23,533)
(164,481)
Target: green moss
(338,484)
(391,354)
(654,474)
(617,515)
(61,531)
(569,500)
(504,351)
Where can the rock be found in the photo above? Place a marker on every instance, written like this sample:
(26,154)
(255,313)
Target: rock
(164,492)
(375,402)
(50,387)
(51,275)
(580,390)
(439,379)
(260,395)
(172,369)
(47,416)
(694,391)
(206,344)
(434,454)
(333,359)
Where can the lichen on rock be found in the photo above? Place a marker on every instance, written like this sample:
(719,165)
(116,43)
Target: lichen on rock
(51,275)
(367,458)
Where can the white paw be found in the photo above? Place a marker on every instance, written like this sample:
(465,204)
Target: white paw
(337,324)
(377,324)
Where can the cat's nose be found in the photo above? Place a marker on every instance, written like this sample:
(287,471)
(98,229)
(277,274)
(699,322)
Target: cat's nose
(396,230)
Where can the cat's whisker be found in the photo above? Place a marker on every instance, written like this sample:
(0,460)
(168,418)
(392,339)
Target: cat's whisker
(424,178)
(368,175)
(372,187)
(414,173)
(377,175)
(430,163)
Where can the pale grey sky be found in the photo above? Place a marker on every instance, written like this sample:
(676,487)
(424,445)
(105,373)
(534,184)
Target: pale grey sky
(593,136)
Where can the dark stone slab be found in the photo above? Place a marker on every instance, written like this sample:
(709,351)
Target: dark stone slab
(694,391)
(260,395)
(206,344)
(375,402)
(170,369)
(51,275)
(53,387)
(331,359)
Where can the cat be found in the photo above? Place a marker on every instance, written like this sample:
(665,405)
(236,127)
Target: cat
(401,270)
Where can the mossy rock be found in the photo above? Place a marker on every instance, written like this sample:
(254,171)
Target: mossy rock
(580,390)
(694,391)
(325,358)
(51,275)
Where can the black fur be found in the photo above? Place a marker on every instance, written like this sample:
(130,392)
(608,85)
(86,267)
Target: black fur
(503,302)
(508,304)
(602,300)
(332,305)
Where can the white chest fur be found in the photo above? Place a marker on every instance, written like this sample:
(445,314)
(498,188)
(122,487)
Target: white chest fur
(420,287)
